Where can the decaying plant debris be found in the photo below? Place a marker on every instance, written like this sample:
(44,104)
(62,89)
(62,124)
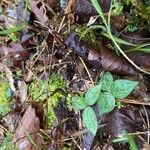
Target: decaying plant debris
(52,52)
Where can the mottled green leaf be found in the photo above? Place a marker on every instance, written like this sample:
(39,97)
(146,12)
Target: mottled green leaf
(90,120)
(106,102)
(92,94)
(106,81)
(78,102)
(122,88)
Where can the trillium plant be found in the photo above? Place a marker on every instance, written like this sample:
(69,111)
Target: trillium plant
(104,95)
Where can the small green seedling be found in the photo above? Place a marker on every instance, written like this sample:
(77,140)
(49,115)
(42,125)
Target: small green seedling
(103,95)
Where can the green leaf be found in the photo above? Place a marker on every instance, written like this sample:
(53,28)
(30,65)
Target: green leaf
(106,81)
(106,102)
(122,88)
(78,102)
(90,120)
(92,94)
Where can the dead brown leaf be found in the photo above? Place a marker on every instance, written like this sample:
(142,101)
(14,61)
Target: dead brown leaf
(108,60)
(22,91)
(114,63)
(87,54)
(52,3)
(141,59)
(84,9)
(29,125)
(39,11)
(124,120)
(15,54)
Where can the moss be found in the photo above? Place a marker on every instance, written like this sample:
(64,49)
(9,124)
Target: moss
(88,35)
(6,96)
(141,8)
(67,146)
(40,90)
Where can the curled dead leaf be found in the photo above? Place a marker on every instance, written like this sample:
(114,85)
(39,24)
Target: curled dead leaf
(112,62)
(83,50)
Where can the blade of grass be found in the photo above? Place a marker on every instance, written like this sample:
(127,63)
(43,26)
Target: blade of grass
(31,140)
(97,27)
(132,143)
(11,30)
(146,50)
(26,7)
(142,48)
(120,41)
(99,10)
(128,138)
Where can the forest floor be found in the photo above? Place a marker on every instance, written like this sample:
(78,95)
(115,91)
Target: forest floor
(74,74)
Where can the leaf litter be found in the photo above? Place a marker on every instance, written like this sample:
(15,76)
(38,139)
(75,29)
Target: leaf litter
(49,58)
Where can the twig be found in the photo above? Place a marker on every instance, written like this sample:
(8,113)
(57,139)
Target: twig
(87,71)
(132,101)
(77,134)
(148,125)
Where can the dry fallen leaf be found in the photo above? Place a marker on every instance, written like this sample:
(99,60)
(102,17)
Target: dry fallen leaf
(107,59)
(114,63)
(14,53)
(84,9)
(52,3)
(29,125)
(39,12)
(141,59)
(22,91)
